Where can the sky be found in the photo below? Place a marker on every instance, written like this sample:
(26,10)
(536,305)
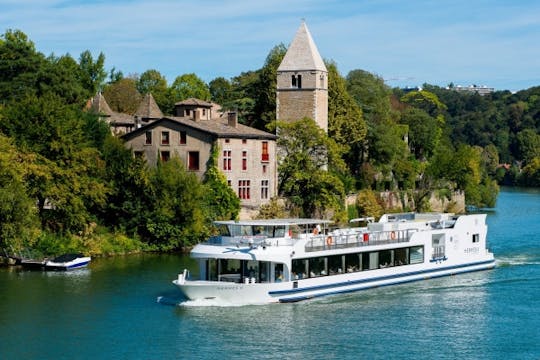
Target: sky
(492,43)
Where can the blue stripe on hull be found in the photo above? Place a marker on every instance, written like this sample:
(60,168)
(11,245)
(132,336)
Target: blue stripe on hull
(399,278)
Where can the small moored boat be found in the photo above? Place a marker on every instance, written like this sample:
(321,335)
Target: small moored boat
(67,262)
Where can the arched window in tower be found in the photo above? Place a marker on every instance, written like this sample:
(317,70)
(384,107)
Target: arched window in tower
(296,81)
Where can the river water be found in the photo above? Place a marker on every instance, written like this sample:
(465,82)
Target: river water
(127,307)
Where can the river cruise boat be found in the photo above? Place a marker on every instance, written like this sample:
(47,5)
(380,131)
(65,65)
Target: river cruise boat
(289,260)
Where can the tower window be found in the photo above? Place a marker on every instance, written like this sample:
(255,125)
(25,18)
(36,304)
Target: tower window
(296,81)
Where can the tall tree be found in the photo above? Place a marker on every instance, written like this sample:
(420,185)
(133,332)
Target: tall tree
(122,96)
(304,151)
(265,97)
(189,86)
(19,65)
(19,225)
(221,91)
(346,124)
(152,82)
(93,71)
(176,219)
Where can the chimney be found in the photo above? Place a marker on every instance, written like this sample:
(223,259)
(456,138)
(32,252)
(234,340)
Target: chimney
(196,115)
(232,119)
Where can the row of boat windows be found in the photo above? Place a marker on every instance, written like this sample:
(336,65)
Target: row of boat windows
(338,264)
(240,271)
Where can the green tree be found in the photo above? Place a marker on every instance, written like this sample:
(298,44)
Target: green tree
(222,202)
(130,199)
(346,124)
(19,65)
(220,91)
(176,218)
(265,95)
(528,141)
(152,82)
(122,96)
(19,225)
(305,150)
(424,132)
(189,86)
(371,94)
(93,72)
(68,181)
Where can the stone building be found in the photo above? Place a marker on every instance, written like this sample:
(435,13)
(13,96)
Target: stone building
(247,156)
(302,82)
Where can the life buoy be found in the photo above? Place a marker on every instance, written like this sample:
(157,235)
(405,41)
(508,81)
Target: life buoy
(329,241)
(393,235)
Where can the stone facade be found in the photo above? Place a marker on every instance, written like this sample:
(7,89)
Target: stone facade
(302,82)
(247,156)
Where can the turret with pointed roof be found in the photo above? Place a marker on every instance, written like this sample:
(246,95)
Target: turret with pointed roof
(302,82)
(148,109)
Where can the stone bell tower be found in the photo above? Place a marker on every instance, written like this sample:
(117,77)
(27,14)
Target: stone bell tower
(302,82)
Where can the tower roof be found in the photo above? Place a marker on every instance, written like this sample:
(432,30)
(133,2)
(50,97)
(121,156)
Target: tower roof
(148,108)
(302,53)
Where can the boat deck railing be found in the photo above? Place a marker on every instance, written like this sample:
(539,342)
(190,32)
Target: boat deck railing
(339,240)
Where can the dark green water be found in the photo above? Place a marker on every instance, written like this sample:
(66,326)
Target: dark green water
(127,307)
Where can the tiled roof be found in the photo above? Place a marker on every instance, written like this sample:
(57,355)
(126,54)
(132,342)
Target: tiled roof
(302,53)
(218,127)
(149,109)
(194,101)
(99,105)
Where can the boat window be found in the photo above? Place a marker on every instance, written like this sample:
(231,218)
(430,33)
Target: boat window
(401,256)
(352,262)
(278,272)
(335,264)
(475,238)
(416,255)
(365,261)
(299,269)
(373,260)
(317,267)
(252,269)
(223,230)
(212,270)
(386,258)
(279,231)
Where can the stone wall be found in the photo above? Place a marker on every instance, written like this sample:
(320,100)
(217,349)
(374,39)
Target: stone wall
(391,200)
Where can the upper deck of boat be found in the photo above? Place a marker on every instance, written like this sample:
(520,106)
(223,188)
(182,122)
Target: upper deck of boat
(316,235)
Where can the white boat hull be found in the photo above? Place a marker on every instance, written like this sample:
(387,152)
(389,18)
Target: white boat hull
(293,291)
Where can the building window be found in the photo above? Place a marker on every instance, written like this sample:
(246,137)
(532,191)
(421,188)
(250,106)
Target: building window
(138,154)
(322,82)
(264,169)
(227,141)
(229,183)
(165,156)
(183,138)
(187,112)
(164,138)
(296,81)
(204,111)
(264,189)
(227,160)
(265,155)
(148,138)
(243,189)
(244,141)
(193,160)
(244,160)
